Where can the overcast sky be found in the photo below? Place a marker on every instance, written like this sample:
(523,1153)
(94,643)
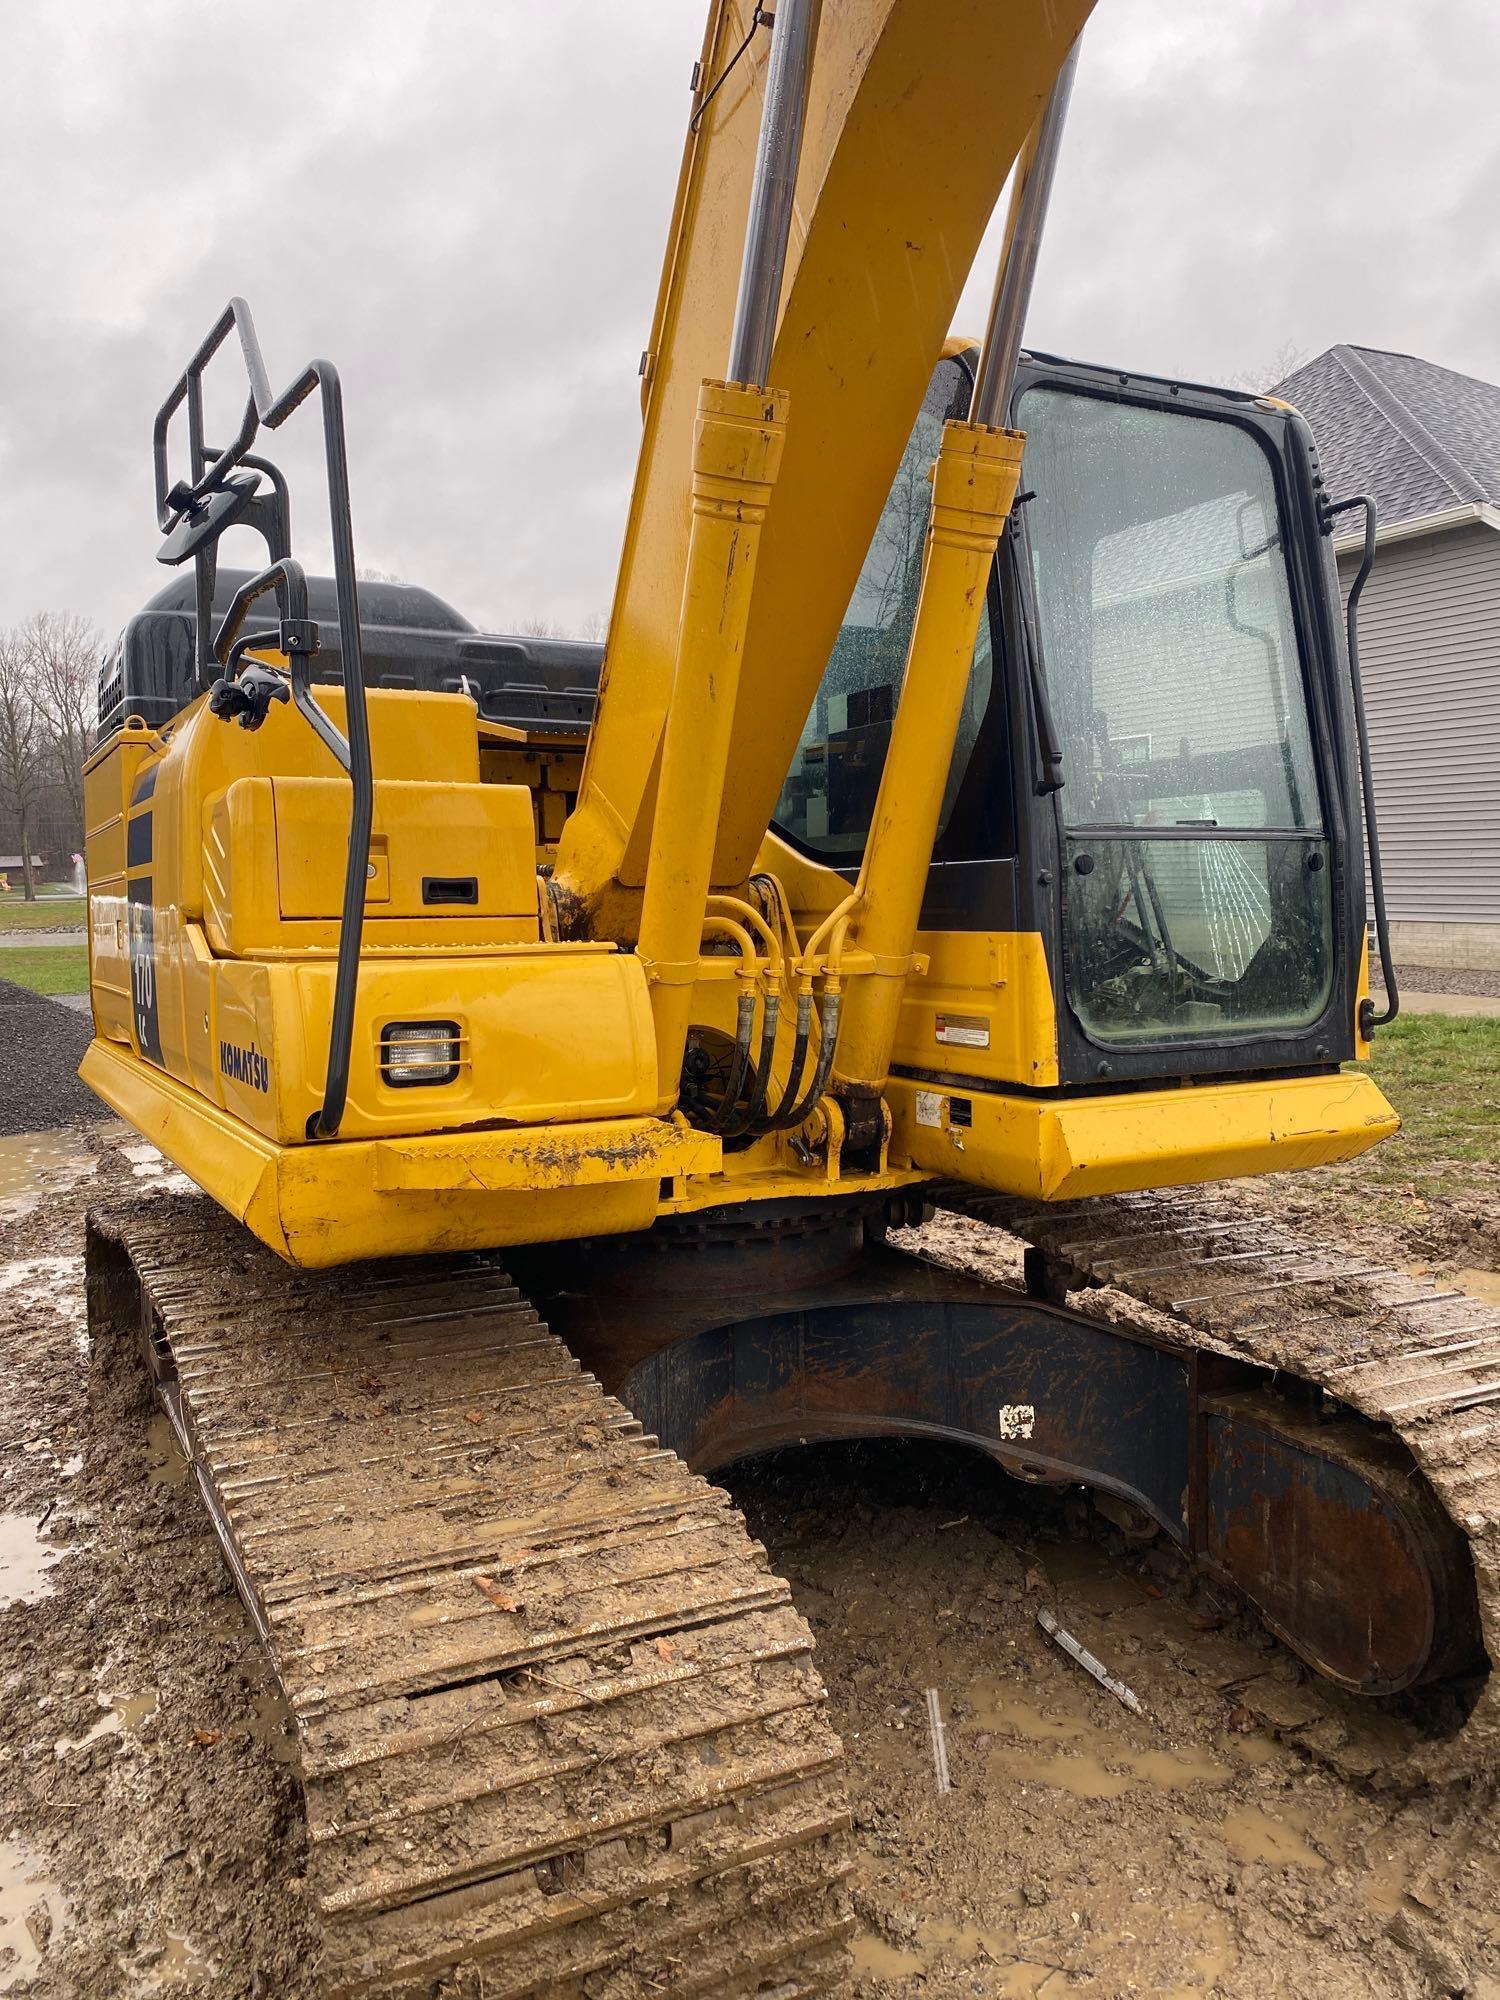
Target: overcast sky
(463,203)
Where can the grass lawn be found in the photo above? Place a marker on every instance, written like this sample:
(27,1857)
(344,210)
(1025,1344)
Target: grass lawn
(48,913)
(1442,1073)
(47,968)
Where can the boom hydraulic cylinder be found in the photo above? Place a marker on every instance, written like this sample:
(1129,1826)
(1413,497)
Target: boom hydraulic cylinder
(1031,192)
(736,453)
(973,484)
(737,447)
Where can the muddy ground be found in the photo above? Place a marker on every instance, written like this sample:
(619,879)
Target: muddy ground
(1234,1839)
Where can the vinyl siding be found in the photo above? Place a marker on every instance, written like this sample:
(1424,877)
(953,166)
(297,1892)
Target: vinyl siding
(1429,641)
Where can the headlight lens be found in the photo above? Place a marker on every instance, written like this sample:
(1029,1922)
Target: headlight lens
(419,1052)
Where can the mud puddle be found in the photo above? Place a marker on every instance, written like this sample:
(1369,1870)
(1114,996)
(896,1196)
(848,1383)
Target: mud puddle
(1478,1284)
(175,1962)
(1077,1752)
(33,1162)
(26,1560)
(122,1715)
(951,1946)
(166,1461)
(32,1909)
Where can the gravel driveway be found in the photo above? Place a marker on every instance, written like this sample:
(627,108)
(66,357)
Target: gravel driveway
(41,1046)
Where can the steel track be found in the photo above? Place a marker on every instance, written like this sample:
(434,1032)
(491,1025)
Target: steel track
(560,1728)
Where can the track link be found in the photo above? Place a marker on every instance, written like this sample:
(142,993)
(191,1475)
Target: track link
(560,1728)
(1403,1355)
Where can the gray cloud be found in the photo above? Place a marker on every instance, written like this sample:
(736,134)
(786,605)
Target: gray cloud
(465,205)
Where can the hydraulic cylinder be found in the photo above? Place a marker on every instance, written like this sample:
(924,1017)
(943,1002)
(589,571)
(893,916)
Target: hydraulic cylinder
(974,482)
(737,448)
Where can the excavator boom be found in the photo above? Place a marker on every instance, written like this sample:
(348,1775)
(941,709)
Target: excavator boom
(915,115)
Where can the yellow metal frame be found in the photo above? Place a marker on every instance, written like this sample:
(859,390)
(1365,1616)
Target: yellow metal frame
(406,1195)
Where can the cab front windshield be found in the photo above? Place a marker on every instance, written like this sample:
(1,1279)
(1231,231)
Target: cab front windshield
(1197,888)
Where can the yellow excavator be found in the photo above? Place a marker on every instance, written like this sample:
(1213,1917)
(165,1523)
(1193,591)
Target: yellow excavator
(969,808)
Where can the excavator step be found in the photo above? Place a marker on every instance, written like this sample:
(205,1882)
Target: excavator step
(559,1723)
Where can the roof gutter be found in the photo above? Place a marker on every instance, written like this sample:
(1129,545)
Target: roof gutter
(1422,524)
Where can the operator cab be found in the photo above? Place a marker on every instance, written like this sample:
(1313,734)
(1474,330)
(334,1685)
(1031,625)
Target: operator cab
(1147,771)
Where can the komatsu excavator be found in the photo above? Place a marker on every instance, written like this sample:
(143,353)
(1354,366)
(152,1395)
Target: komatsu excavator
(970,810)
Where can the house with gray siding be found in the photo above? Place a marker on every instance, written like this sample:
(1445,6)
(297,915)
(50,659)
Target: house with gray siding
(1425,442)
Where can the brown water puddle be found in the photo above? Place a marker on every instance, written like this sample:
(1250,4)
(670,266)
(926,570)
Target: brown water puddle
(875,1959)
(1107,1769)
(1217,1955)
(123,1715)
(25,1560)
(32,1910)
(272,1726)
(1013,1976)
(1479,1284)
(176,1962)
(167,1463)
(1257,1836)
(31,1162)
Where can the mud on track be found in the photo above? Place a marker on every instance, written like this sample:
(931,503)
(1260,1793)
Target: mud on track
(1236,1840)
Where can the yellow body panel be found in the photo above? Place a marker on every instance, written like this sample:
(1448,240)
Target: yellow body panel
(325,1204)
(348,1199)
(1065,1148)
(984,1009)
(238,848)
(992,988)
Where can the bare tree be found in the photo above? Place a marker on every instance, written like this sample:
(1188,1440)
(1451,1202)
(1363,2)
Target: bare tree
(22,747)
(61,655)
(1270,374)
(899,540)
(594,627)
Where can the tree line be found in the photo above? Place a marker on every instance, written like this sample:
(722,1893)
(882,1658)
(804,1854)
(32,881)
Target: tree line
(48,691)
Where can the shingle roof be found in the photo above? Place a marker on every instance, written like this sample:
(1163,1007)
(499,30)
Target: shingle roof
(1421,438)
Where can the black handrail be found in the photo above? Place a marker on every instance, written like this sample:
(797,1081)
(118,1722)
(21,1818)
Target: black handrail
(210,472)
(1366,776)
(296,636)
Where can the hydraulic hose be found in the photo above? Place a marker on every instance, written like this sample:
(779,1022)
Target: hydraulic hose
(744,1027)
(755,1109)
(828,1022)
(802,1036)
